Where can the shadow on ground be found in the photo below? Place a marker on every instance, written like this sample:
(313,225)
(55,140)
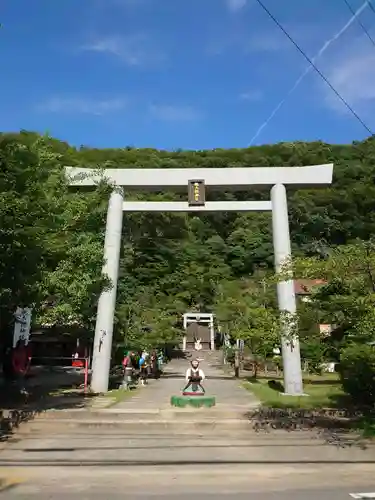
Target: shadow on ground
(310,381)
(46,389)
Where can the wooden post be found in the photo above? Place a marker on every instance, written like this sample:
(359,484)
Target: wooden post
(86,381)
(237,363)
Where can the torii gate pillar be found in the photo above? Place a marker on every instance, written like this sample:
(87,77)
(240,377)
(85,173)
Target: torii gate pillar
(285,292)
(223,179)
(102,354)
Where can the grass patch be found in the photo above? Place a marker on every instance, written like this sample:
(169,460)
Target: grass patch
(323,392)
(120,395)
(366,426)
(62,391)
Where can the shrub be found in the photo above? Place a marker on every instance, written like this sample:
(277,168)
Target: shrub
(357,372)
(229,354)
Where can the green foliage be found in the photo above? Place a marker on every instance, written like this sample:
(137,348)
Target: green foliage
(347,300)
(348,297)
(357,371)
(244,309)
(314,350)
(23,217)
(147,322)
(229,355)
(51,240)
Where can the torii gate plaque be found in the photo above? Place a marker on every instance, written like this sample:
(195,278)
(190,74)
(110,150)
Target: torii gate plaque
(196,193)
(222,179)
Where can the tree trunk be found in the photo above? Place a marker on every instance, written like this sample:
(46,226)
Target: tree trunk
(236,363)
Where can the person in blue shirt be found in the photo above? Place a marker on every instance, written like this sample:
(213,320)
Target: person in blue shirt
(143,369)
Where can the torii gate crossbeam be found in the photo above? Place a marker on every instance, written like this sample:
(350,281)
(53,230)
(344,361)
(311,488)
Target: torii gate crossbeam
(223,179)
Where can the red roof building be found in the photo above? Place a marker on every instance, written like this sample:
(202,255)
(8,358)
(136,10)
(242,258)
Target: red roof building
(306,287)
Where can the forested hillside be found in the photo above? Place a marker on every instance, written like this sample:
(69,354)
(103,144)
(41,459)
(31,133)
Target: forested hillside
(51,237)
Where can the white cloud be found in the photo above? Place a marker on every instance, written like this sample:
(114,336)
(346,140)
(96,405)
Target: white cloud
(241,41)
(351,71)
(127,3)
(251,95)
(267,42)
(174,113)
(133,50)
(80,105)
(309,35)
(236,5)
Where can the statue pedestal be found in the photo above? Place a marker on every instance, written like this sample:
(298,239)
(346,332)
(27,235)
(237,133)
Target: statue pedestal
(196,401)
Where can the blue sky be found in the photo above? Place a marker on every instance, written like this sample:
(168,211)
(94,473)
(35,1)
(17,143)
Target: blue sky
(191,74)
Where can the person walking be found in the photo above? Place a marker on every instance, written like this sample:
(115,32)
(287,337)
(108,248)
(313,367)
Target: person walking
(155,365)
(20,364)
(127,370)
(143,368)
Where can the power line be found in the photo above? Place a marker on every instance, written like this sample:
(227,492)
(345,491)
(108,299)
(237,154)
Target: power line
(307,70)
(302,52)
(371,5)
(360,22)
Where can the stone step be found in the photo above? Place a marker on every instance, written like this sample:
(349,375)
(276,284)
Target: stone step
(134,413)
(179,438)
(136,426)
(186,426)
(159,452)
(125,446)
(255,481)
(113,437)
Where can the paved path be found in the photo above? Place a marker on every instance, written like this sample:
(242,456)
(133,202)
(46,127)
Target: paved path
(140,452)
(251,484)
(318,494)
(228,391)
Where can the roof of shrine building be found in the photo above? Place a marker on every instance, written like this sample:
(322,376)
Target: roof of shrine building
(306,287)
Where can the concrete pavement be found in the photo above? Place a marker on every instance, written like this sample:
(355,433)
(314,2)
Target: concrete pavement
(228,391)
(142,446)
(295,482)
(318,494)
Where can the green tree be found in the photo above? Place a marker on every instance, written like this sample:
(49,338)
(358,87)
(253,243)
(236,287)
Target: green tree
(357,370)
(245,312)
(148,322)
(24,215)
(53,255)
(348,298)
(51,239)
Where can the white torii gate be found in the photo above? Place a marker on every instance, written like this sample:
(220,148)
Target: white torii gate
(173,179)
(198,317)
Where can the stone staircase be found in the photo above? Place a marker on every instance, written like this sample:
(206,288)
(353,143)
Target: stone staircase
(145,436)
(160,436)
(213,358)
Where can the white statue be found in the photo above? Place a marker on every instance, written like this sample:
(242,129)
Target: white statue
(194,378)
(198,345)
